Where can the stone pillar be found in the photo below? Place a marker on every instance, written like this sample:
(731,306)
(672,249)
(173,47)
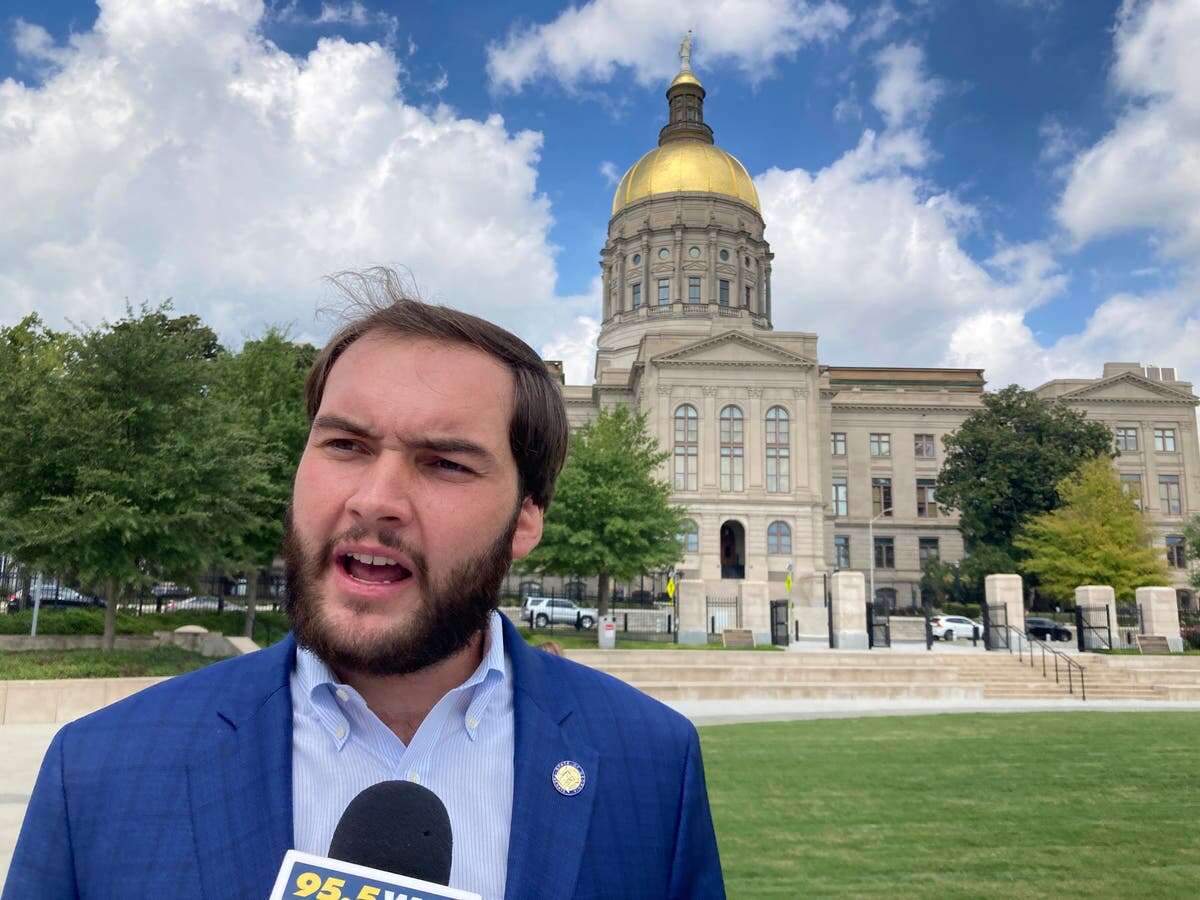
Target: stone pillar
(1160,614)
(692,627)
(756,609)
(1090,596)
(1006,591)
(849,611)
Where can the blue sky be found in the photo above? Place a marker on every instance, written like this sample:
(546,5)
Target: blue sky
(994,183)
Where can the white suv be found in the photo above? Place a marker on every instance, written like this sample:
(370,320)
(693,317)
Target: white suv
(950,627)
(545,610)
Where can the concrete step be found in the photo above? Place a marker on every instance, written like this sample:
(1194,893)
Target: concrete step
(755,675)
(671,691)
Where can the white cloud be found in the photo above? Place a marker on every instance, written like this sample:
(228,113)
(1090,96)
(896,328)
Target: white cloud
(874,25)
(1144,173)
(175,152)
(904,94)
(575,344)
(610,172)
(590,42)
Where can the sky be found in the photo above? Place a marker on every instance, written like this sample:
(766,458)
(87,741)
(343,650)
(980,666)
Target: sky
(1011,185)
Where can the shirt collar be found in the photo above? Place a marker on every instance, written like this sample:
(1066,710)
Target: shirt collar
(318,685)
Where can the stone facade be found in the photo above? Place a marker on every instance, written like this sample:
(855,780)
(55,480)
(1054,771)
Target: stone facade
(763,438)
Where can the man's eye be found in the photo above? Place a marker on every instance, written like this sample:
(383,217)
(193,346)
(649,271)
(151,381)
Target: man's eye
(342,445)
(449,465)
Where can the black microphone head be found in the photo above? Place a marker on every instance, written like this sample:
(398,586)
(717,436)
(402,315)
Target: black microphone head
(398,827)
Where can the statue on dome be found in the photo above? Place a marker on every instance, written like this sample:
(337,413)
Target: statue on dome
(685,53)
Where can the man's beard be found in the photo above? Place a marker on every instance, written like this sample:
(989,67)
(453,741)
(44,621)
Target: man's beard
(451,611)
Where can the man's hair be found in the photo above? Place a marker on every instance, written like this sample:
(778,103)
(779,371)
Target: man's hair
(379,302)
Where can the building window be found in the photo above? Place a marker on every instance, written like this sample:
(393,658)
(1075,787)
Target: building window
(841,504)
(885,553)
(881,496)
(1131,485)
(779,538)
(837,443)
(881,444)
(664,291)
(778,451)
(687,448)
(689,536)
(637,259)
(923,446)
(841,551)
(927,551)
(1176,557)
(664,253)
(637,296)
(1127,439)
(1164,440)
(926,507)
(732,449)
(747,298)
(724,256)
(693,289)
(1168,495)
(724,295)
(694,252)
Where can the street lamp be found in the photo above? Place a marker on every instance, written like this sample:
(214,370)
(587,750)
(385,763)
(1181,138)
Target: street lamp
(871,549)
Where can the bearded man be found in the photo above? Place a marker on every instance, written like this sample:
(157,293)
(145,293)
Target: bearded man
(436,438)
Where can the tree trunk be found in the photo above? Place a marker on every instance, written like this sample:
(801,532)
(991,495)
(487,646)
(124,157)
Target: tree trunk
(251,600)
(110,614)
(602,594)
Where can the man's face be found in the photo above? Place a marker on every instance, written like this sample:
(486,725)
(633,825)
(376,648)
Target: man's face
(405,514)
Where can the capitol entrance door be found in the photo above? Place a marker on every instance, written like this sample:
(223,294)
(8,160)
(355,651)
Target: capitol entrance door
(733,550)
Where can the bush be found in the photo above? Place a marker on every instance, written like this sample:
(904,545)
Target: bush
(269,626)
(970,610)
(1191,636)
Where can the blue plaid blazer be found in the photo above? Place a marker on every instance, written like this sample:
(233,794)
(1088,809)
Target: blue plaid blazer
(184,790)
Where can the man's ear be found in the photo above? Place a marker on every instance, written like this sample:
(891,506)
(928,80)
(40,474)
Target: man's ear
(529,529)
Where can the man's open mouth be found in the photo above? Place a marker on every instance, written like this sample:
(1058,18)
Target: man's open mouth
(373,569)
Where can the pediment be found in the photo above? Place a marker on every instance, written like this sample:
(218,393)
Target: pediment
(1128,387)
(732,348)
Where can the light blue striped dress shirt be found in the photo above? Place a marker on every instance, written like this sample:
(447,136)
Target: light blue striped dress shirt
(462,751)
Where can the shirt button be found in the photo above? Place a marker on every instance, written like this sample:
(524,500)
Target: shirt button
(342,695)
(341,731)
(472,722)
(413,777)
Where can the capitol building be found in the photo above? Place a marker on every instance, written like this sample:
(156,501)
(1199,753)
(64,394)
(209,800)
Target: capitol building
(788,464)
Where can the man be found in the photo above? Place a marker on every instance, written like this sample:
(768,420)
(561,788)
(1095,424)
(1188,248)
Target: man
(436,439)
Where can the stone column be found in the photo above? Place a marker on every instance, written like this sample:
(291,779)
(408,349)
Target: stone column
(1090,596)
(754,441)
(756,609)
(849,601)
(1006,591)
(692,627)
(709,439)
(711,287)
(1160,614)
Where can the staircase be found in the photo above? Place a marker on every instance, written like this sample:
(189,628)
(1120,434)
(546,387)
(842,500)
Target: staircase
(684,675)
(675,675)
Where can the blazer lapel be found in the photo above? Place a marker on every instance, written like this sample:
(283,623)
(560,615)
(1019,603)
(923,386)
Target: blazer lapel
(240,782)
(549,829)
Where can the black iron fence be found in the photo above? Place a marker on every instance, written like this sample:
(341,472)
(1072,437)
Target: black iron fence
(658,621)
(996,628)
(1129,624)
(721,613)
(1094,628)
(879,625)
(780,636)
(1189,627)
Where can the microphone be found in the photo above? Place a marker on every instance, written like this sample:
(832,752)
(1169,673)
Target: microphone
(396,826)
(393,842)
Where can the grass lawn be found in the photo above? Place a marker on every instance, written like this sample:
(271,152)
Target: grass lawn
(42,664)
(1074,804)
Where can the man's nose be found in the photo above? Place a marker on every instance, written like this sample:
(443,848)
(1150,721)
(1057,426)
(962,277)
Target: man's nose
(384,491)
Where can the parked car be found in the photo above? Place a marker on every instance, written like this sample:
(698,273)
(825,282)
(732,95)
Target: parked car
(205,603)
(948,628)
(49,595)
(12,603)
(547,610)
(1046,629)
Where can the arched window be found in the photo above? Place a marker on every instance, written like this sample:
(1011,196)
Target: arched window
(778,451)
(733,449)
(779,537)
(687,448)
(689,536)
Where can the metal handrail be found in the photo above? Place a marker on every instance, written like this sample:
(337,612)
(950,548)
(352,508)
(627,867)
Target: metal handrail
(1071,665)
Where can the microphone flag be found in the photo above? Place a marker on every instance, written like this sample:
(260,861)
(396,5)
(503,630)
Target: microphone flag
(320,878)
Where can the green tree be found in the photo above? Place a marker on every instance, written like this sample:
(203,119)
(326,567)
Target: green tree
(611,516)
(1191,549)
(262,388)
(1006,461)
(1097,536)
(135,475)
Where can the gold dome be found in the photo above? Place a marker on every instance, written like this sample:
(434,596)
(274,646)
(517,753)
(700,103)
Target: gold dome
(685,77)
(686,165)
